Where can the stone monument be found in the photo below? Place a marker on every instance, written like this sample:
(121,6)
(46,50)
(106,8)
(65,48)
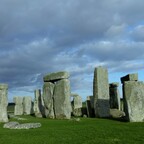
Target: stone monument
(101,92)
(3,103)
(56,95)
(18,109)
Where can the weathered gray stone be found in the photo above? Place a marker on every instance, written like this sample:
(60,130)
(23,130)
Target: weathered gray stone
(101,92)
(10,125)
(3,103)
(121,104)
(115,113)
(62,105)
(16,125)
(114,96)
(77,102)
(18,109)
(76,105)
(90,106)
(134,101)
(77,112)
(38,104)
(27,105)
(56,76)
(129,77)
(48,97)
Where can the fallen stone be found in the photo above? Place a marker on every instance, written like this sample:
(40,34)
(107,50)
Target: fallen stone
(115,113)
(16,125)
(10,125)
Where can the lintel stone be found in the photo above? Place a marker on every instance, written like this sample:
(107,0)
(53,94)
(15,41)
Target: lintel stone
(130,77)
(56,76)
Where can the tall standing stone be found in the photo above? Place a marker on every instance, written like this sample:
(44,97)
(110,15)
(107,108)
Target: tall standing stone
(48,90)
(114,96)
(126,93)
(62,105)
(101,92)
(38,104)
(18,109)
(3,103)
(27,105)
(134,101)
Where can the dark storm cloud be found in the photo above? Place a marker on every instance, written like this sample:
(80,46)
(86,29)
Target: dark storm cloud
(42,36)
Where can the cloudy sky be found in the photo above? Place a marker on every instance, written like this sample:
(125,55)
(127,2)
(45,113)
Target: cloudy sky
(43,36)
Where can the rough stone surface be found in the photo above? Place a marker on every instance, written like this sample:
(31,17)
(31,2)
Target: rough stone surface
(134,101)
(77,112)
(121,104)
(62,103)
(16,125)
(76,105)
(10,125)
(27,105)
(18,109)
(129,77)
(38,104)
(90,106)
(114,96)
(3,103)
(56,76)
(115,113)
(101,92)
(48,97)
(77,102)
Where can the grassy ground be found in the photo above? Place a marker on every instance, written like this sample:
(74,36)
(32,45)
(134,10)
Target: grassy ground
(86,131)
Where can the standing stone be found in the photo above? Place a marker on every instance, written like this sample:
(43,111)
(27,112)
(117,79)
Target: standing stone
(101,92)
(121,104)
(48,90)
(62,105)
(76,105)
(134,101)
(90,106)
(3,103)
(114,96)
(27,105)
(18,109)
(38,104)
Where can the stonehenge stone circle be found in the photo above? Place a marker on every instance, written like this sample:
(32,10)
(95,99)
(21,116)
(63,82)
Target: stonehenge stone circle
(18,109)
(56,95)
(101,92)
(3,103)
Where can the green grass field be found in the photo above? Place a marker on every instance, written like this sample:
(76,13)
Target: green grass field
(86,131)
